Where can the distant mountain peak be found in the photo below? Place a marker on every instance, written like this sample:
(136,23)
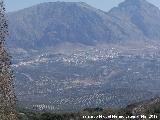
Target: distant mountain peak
(135,1)
(53,23)
(65,3)
(134,7)
(138,3)
(144,15)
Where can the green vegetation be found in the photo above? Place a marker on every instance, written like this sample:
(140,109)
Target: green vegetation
(146,108)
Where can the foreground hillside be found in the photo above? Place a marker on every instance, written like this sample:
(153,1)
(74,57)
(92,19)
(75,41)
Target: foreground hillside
(147,109)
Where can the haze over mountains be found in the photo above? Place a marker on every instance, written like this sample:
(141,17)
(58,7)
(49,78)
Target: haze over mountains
(113,59)
(49,24)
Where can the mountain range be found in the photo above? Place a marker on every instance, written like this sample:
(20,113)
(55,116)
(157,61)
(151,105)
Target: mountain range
(69,55)
(54,23)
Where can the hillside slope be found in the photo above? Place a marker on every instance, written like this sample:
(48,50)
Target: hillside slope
(53,23)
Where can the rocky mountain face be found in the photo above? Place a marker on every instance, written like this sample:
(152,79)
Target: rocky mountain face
(142,14)
(53,23)
(113,57)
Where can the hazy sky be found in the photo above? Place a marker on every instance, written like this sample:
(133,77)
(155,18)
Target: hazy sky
(13,5)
